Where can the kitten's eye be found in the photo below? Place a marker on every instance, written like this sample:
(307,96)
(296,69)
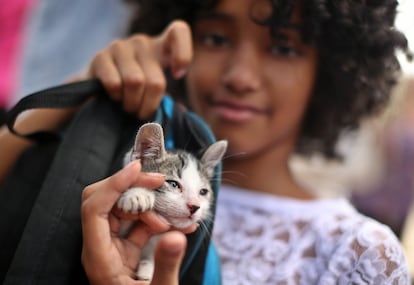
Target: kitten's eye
(174,184)
(203,192)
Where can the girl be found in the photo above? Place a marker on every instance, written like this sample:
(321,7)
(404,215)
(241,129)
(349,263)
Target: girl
(272,77)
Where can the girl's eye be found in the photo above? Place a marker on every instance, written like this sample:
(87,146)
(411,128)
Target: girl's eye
(215,40)
(284,50)
(203,192)
(174,184)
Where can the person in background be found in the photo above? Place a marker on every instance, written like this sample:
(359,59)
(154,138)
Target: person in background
(388,199)
(61,37)
(13,17)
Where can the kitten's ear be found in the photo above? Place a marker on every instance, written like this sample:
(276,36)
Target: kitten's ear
(213,155)
(149,142)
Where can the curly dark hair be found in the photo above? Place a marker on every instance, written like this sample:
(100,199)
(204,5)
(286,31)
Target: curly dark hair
(356,41)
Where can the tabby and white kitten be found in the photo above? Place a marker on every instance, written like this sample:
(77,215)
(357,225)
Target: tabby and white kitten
(185,197)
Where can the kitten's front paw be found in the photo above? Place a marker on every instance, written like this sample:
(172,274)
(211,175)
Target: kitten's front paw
(136,200)
(145,270)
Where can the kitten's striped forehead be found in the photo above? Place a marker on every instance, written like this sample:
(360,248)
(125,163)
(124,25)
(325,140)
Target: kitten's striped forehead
(176,162)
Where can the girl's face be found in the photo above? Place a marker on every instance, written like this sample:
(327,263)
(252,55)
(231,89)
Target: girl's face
(250,89)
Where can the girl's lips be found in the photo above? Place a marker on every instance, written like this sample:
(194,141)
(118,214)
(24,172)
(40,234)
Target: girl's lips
(236,113)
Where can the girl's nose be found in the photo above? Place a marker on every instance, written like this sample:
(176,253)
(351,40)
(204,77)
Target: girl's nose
(242,75)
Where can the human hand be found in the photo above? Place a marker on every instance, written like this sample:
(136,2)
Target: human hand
(131,69)
(109,259)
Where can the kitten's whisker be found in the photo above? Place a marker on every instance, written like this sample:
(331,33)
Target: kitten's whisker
(241,174)
(234,155)
(229,181)
(224,179)
(230,172)
(186,144)
(203,225)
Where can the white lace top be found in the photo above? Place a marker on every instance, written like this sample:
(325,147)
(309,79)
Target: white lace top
(264,239)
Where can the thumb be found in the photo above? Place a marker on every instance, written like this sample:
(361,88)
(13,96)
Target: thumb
(168,257)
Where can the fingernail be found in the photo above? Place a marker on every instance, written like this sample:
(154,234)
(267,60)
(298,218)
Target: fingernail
(173,249)
(131,164)
(179,73)
(175,245)
(156,174)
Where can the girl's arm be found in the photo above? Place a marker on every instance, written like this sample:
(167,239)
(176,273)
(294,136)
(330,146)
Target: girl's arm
(11,146)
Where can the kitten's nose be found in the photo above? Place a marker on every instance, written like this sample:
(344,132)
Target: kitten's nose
(193,208)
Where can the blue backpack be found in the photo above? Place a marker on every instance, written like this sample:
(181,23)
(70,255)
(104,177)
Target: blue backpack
(40,200)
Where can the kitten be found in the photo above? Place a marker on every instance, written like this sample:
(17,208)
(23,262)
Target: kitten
(185,197)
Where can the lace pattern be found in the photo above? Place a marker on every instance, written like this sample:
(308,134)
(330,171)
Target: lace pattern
(268,240)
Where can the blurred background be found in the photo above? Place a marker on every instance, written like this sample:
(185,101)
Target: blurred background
(405,22)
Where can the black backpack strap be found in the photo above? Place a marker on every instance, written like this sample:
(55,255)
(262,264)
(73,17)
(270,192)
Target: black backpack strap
(61,97)
(18,194)
(49,249)
(21,188)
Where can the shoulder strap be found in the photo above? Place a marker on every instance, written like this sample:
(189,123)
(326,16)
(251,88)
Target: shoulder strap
(48,252)
(61,97)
